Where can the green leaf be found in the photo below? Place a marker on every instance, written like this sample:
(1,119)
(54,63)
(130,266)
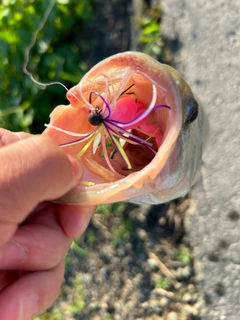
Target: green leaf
(153,27)
(9,37)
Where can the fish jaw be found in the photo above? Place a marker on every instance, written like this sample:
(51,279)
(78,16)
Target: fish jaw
(164,177)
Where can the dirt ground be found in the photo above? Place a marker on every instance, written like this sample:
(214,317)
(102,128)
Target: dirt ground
(139,265)
(133,262)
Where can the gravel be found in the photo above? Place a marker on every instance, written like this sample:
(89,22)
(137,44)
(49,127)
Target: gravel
(130,266)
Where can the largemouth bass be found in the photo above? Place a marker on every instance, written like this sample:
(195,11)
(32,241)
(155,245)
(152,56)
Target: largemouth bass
(137,129)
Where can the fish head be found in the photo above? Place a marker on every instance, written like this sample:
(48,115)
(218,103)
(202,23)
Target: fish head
(136,128)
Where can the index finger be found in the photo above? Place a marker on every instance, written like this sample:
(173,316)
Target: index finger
(8,137)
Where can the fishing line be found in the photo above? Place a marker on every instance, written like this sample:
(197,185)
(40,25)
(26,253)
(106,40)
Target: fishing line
(31,45)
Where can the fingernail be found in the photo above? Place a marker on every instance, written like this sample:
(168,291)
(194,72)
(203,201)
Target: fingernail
(28,307)
(13,254)
(76,167)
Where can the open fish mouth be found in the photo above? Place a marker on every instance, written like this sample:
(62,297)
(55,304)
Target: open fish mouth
(123,122)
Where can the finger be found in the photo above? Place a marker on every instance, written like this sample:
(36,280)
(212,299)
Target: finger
(39,245)
(7,277)
(32,170)
(8,137)
(75,219)
(31,294)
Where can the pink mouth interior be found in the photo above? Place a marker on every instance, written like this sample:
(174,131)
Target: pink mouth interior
(151,129)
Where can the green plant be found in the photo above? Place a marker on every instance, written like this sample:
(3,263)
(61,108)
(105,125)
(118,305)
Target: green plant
(183,255)
(78,299)
(151,36)
(74,302)
(76,247)
(107,209)
(24,104)
(124,229)
(90,237)
(162,283)
(108,318)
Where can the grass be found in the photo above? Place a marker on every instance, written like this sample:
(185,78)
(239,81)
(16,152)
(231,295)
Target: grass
(108,209)
(150,38)
(70,303)
(183,255)
(162,283)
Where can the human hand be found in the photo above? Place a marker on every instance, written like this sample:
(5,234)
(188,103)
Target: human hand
(35,233)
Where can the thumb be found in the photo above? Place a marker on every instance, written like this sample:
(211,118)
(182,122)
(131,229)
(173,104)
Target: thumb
(33,170)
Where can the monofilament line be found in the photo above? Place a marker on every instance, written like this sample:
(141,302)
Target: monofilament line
(31,45)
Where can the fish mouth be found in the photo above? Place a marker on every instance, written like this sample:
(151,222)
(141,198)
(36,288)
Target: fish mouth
(138,106)
(138,141)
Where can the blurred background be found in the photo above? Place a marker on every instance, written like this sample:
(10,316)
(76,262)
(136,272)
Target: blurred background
(134,262)
(76,35)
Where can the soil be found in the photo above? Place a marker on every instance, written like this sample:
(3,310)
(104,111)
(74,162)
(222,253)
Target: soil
(133,262)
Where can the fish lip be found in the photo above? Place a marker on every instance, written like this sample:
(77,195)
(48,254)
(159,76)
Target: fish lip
(132,185)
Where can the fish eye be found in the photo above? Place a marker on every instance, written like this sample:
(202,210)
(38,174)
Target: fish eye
(191,112)
(95,118)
